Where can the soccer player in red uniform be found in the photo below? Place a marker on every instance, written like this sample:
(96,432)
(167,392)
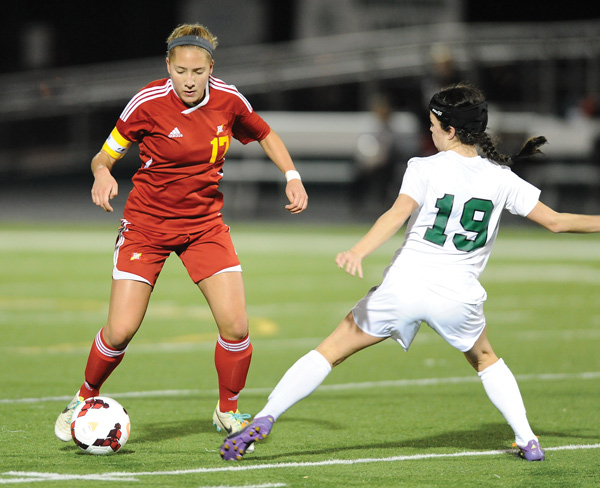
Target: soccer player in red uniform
(183,126)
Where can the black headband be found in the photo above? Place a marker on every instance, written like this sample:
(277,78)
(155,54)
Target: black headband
(191,41)
(472,118)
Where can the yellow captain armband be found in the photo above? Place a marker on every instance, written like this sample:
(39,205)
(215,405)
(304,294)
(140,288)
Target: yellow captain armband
(116,145)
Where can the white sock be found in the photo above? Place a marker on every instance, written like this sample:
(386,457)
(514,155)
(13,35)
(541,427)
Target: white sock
(502,389)
(297,383)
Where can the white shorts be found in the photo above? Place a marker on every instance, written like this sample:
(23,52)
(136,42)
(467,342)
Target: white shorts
(398,306)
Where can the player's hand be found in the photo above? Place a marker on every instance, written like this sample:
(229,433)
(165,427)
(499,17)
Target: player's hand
(297,196)
(105,188)
(351,262)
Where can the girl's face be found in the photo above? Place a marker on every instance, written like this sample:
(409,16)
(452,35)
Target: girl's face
(189,68)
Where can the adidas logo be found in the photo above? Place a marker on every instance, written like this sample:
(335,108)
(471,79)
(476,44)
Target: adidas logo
(175,133)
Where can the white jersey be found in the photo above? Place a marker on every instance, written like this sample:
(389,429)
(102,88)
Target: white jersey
(450,235)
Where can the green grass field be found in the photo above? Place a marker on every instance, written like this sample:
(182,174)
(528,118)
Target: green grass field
(383,418)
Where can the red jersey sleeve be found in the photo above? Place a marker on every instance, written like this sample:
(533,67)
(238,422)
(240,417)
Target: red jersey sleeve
(135,121)
(250,127)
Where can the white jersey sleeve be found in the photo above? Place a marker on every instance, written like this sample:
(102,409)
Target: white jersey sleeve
(522,195)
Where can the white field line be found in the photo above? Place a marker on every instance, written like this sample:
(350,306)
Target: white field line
(262,485)
(206,341)
(537,247)
(591,375)
(27,476)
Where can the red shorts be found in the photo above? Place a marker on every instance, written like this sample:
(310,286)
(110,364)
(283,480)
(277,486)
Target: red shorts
(140,254)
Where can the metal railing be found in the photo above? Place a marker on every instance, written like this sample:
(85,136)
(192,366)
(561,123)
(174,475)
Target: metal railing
(358,57)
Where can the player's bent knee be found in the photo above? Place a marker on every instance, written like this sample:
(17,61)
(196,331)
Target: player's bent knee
(117,339)
(234,331)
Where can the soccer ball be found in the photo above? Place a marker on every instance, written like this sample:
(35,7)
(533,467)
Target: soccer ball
(100,425)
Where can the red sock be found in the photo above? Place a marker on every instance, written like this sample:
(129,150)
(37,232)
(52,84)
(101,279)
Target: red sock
(232,359)
(101,363)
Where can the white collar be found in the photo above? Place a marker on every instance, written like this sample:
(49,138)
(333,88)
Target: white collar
(201,104)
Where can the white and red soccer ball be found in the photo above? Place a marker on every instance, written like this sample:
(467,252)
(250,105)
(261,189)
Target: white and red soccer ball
(100,425)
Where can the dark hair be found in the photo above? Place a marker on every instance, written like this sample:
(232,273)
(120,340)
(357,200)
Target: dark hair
(466,100)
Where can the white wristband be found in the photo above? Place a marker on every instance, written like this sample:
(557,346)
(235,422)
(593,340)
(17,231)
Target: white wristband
(292,175)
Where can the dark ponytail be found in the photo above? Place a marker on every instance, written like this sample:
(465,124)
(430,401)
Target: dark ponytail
(530,149)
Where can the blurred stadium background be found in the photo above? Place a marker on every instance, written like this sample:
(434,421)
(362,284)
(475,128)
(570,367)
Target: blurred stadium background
(314,70)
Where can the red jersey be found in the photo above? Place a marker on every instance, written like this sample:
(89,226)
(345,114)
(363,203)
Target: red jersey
(182,150)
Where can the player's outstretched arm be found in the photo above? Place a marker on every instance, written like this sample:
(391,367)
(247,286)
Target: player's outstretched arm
(564,222)
(105,187)
(385,227)
(277,152)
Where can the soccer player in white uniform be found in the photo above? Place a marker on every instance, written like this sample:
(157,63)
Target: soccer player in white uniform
(453,201)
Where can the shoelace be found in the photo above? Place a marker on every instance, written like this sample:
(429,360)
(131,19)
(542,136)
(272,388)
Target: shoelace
(240,417)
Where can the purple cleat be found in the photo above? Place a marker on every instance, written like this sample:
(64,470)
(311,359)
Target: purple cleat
(532,451)
(236,445)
